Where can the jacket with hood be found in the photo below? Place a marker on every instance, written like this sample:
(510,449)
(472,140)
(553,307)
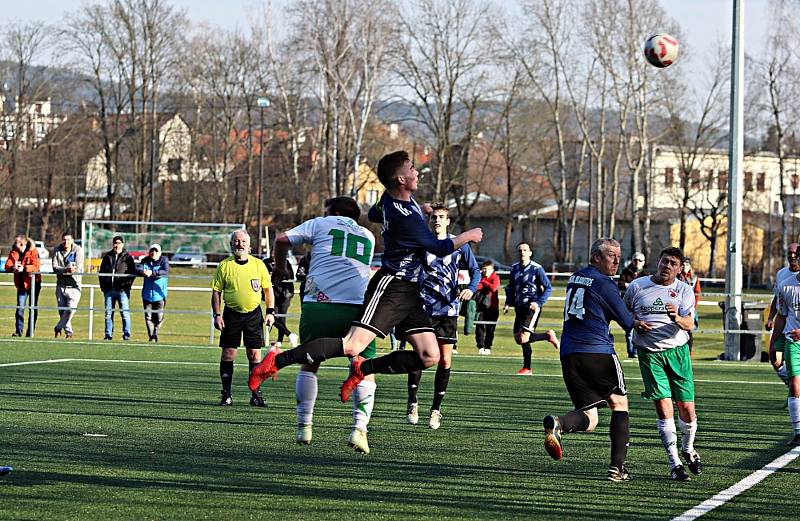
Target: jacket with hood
(154,287)
(30,261)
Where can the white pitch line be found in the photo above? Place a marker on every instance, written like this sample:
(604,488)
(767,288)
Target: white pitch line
(731,492)
(33,362)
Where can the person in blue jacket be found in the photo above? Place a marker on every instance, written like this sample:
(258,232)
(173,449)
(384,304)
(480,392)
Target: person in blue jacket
(527,291)
(155,269)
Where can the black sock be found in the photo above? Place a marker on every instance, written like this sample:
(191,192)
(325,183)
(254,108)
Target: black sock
(413,385)
(396,362)
(574,421)
(440,386)
(226,374)
(526,355)
(312,352)
(620,437)
(539,337)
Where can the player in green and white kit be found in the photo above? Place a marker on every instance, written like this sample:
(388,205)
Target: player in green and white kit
(664,306)
(778,341)
(341,252)
(788,322)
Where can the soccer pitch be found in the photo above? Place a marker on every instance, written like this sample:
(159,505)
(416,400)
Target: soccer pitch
(132,431)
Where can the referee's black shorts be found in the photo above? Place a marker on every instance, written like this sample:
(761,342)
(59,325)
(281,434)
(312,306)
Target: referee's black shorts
(591,378)
(391,302)
(247,328)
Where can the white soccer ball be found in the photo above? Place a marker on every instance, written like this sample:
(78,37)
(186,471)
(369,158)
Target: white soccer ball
(661,50)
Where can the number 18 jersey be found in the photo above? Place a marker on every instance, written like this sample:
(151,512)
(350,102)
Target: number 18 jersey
(341,252)
(592,302)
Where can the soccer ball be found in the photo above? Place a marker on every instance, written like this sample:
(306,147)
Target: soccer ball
(661,50)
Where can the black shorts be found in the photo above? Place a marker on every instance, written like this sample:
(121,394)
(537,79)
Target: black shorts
(591,378)
(526,319)
(242,326)
(446,329)
(390,302)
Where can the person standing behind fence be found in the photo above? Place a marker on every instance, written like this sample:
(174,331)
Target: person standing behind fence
(116,285)
(488,304)
(155,269)
(67,265)
(283,291)
(632,271)
(689,276)
(23,261)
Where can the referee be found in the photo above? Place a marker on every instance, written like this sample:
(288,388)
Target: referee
(240,281)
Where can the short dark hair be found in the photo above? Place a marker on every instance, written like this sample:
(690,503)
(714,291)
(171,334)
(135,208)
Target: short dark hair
(65,234)
(345,206)
(118,238)
(487,263)
(440,207)
(672,251)
(388,166)
(520,243)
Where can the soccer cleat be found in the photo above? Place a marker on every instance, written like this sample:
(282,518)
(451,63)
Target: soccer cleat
(294,340)
(525,372)
(225,399)
(794,442)
(692,460)
(618,474)
(303,434)
(352,381)
(256,400)
(358,440)
(435,420)
(5,470)
(552,437)
(264,370)
(553,339)
(412,413)
(678,473)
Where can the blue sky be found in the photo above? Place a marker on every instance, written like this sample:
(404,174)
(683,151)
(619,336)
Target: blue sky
(705,22)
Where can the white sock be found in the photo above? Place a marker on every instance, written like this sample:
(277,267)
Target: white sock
(363,401)
(689,431)
(794,413)
(305,388)
(669,437)
(782,374)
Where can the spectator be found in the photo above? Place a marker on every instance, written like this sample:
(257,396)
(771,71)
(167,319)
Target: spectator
(120,271)
(155,269)
(283,291)
(632,271)
(488,306)
(67,265)
(23,261)
(688,276)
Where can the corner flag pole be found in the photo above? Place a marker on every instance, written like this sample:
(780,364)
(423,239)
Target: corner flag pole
(733,268)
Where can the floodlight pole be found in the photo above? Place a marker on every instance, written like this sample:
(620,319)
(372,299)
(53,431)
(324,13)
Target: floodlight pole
(262,103)
(733,268)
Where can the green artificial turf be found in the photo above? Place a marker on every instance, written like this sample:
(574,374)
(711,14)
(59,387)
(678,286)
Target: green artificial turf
(170,452)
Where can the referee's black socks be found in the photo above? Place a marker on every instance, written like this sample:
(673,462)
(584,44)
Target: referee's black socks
(396,362)
(312,352)
(620,433)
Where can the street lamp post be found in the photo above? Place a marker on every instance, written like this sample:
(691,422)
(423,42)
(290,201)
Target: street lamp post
(262,104)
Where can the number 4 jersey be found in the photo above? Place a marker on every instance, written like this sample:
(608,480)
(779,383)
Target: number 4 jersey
(341,252)
(592,302)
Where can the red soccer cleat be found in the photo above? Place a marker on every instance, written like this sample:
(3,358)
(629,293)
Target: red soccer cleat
(349,385)
(525,372)
(264,370)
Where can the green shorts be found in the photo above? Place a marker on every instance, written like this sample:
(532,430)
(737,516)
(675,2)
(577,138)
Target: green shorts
(667,374)
(780,343)
(326,320)
(791,356)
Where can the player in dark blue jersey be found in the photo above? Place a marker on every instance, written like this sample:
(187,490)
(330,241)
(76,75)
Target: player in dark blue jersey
(592,372)
(527,291)
(441,299)
(393,297)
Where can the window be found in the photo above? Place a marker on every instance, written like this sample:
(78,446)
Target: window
(795,181)
(669,177)
(722,180)
(372,196)
(761,182)
(748,181)
(174,166)
(695,176)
